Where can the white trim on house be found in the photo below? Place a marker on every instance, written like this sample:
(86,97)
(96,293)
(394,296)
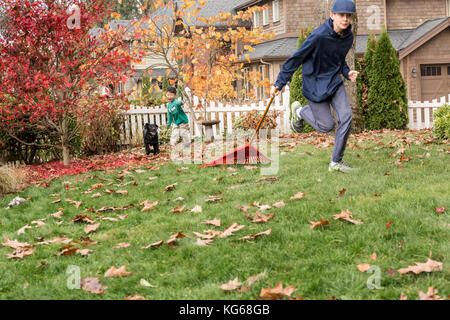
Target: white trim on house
(256,17)
(276,10)
(265,16)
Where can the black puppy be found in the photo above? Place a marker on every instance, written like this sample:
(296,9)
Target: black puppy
(151,138)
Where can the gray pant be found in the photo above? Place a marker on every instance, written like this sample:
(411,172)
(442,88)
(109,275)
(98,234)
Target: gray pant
(320,118)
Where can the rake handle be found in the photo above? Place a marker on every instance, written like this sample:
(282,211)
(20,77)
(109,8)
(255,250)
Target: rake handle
(261,120)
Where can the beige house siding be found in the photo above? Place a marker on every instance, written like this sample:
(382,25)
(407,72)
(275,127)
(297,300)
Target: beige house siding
(279,27)
(435,51)
(409,14)
(371,16)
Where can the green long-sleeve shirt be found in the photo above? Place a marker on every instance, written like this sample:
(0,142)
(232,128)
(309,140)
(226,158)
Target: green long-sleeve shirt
(175,113)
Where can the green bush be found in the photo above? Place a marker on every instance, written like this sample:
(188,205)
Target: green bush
(442,122)
(387,105)
(164,135)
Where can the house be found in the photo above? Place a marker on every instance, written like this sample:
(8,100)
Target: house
(419,31)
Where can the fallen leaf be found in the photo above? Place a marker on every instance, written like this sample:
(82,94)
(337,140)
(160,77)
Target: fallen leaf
(341,193)
(57,214)
(38,223)
(121,216)
(259,217)
(322,222)
(56,201)
(298,195)
(22,230)
(276,293)
(178,199)
(251,280)
(213,199)
(279,204)
(440,210)
(373,257)
(155,244)
(177,209)
(122,192)
(214,222)
(145,283)
(148,206)
(254,236)
(243,208)
(108,218)
(174,238)
(21,252)
(231,285)
(76,203)
(170,187)
(92,285)
(346,216)
(197,209)
(430,295)
(229,231)
(91,228)
(403,297)
(114,272)
(363,267)
(96,195)
(388,225)
(83,218)
(203,243)
(122,245)
(14,243)
(429,266)
(250,167)
(84,252)
(136,296)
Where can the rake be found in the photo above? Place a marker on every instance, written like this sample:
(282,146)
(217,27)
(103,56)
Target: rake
(246,154)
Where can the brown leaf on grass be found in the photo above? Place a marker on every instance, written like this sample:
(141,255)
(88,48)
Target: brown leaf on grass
(57,240)
(170,187)
(96,195)
(92,285)
(155,244)
(439,210)
(346,216)
(363,267)
(242,208)
(178,199)
(430,295)
(14,243)
(148,206)
(214,222)
(56,201)
(279,204)
(57,214)
(86,241)
(83,218)
(213,199)
(68,250)
(341,193)
(122,192)
(173,238)
(114,272)
(21,252)
(76,203)
(22,230)
(277,293)
(261,207)
(251,280)
(229,231)
(122,245)
(403,297)
(136,296)
(43,263)
(197,209)
(322,222)
(203,243)
(429,266)
(254,236)
(231,285)
(121,216)
(108,218)
(96,186)
(298,195)
(207,236)
(84,252)
(177,209)
(91,228)
(250,167)
(373,256)
(259,217)
(38,223)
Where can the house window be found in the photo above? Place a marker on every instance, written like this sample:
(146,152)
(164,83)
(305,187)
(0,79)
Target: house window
(429,71)
(265,17)
(276,11)
(448,70)
(256,19)
(120,88)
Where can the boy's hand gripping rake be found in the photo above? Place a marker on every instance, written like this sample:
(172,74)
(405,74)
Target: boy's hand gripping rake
(245,154)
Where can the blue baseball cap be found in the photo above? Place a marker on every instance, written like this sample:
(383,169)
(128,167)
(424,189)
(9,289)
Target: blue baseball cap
(344,6)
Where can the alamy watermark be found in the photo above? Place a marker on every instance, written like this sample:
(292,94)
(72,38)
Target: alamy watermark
(374,281)
(74,20)
(73,281)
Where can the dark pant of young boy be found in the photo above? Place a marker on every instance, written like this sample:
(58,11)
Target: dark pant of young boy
(319,116)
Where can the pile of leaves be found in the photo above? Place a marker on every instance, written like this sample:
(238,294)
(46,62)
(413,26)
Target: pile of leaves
(251,119)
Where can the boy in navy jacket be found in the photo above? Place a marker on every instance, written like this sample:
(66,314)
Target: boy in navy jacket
(323,58)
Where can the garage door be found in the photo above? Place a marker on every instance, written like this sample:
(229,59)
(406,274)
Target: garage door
(435,81)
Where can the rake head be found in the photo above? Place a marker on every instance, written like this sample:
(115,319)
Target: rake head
(246,154)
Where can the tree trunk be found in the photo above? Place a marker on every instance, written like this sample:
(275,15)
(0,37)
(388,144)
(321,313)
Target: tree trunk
(65,141)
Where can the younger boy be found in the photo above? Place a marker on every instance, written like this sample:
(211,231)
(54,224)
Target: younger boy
(323,58)
(180,120)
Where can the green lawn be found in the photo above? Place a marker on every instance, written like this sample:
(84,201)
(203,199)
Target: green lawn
(319,262)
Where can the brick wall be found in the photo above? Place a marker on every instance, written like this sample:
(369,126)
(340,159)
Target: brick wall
(408,14)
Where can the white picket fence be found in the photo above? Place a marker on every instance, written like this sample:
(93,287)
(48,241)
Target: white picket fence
(421,114)
(226,113)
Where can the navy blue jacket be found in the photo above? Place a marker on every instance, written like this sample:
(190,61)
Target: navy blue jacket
(323,58)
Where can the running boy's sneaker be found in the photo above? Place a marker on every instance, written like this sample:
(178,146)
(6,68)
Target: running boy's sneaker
(341,167)
(297,123)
